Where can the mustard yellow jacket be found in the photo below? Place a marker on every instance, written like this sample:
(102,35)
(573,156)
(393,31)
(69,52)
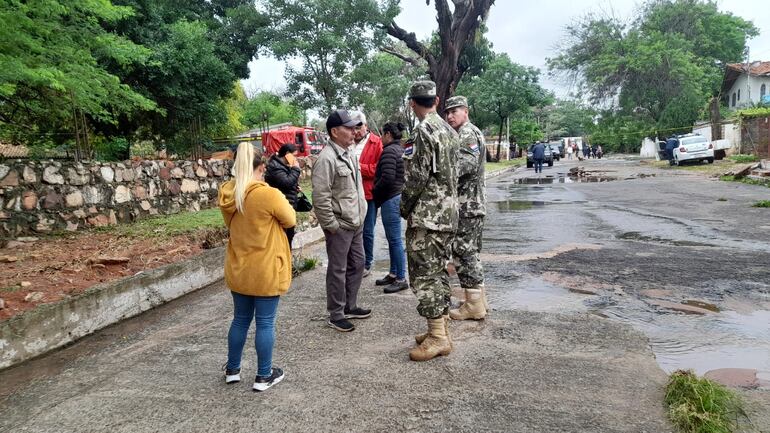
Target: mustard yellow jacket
(258,259)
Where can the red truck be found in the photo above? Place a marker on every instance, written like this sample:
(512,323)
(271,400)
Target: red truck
(306,140)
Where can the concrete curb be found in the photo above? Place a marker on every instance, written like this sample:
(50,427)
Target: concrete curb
(50,326)
(500,172)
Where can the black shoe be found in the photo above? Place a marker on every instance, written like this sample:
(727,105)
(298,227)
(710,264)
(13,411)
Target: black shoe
(342,325)
(357,313)
(396,286)
(386,280)
(263,383)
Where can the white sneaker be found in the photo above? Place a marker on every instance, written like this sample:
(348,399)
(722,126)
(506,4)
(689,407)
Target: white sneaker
(264,383)
(367,272)
(231,376)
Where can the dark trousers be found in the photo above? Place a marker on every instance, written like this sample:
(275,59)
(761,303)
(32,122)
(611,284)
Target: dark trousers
(289,234)
(345,250)
(538,165)
(369,222)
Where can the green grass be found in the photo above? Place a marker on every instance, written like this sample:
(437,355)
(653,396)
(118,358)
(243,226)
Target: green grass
(491,167)
(303,264)
(746,180)
(171,225)
(743,158)
(698,405)
(762,203)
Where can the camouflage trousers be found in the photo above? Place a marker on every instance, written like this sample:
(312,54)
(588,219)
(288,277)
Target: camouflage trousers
(427,255)
(466,249)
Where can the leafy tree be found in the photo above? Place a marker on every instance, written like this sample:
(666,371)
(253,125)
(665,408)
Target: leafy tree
(662,69)
(330,37)
(266,108)
(199,49)
(504,89)
(567,118)
(458,28)
(53,75)
(380,86)
(525,130)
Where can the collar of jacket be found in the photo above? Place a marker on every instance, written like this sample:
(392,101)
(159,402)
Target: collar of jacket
(337,148)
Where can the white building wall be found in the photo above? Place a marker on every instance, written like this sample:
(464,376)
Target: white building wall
(747,99)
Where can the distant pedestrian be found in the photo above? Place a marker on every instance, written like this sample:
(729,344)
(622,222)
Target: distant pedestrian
(388,185)
(257,262)
(367,149)
(599,152)
(569,151)
(586,151)
(671,144)
(340,206)
(283,172)
(538,156)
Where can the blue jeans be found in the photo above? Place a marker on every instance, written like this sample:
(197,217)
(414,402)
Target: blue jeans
(391,220)
(369,222)
(262,310)
(538,165)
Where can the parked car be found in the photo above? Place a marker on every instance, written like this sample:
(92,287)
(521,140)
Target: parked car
(548,155)
(690,147)
(556,151)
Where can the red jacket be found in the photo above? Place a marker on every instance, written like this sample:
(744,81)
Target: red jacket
(368,162)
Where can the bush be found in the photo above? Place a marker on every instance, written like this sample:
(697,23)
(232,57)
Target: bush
(743,158)
(111,149)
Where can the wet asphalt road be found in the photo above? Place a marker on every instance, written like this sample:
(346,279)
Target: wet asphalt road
(568,265)
(628,241)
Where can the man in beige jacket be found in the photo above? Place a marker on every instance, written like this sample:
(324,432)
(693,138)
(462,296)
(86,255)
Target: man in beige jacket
(340,206)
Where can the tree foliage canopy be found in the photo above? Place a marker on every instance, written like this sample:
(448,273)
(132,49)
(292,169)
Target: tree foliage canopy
(662,69)
(328,37)
(53,54)
(504,89)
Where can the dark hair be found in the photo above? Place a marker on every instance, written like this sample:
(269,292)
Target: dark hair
(395,129)
(286,148)
(425,101)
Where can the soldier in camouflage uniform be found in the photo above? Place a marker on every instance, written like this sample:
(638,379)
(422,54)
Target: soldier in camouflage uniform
(470,195)
(429,204)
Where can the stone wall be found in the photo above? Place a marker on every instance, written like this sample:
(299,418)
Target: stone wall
(39,197)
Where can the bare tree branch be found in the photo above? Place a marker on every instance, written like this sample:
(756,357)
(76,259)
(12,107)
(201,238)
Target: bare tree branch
(410,39)
(392,51)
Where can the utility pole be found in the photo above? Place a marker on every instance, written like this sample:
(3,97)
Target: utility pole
(748,74)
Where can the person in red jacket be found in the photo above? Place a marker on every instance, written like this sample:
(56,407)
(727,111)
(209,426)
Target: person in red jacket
(368,148)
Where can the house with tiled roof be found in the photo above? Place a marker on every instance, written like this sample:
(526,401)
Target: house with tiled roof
(746,84)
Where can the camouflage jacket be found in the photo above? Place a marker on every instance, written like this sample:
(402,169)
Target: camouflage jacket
(429,199)
(471,194)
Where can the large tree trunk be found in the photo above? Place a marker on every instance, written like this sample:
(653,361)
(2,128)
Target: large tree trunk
(456,30)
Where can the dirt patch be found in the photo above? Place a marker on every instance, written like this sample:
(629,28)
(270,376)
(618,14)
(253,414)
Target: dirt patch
(48,270)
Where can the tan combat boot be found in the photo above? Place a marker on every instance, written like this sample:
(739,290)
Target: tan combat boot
(435,344)
(473,307)
(484,296)
(420,338)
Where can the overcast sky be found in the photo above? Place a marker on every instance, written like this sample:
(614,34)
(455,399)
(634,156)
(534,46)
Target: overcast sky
(528,31)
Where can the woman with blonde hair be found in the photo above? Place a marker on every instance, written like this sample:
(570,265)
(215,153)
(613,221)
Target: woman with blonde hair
(257,262)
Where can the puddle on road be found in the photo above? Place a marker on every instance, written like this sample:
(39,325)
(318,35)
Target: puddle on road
(517,205)
(561,178)
(724,339)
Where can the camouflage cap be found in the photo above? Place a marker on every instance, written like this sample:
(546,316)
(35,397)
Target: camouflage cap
(456,101)
(422,89)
